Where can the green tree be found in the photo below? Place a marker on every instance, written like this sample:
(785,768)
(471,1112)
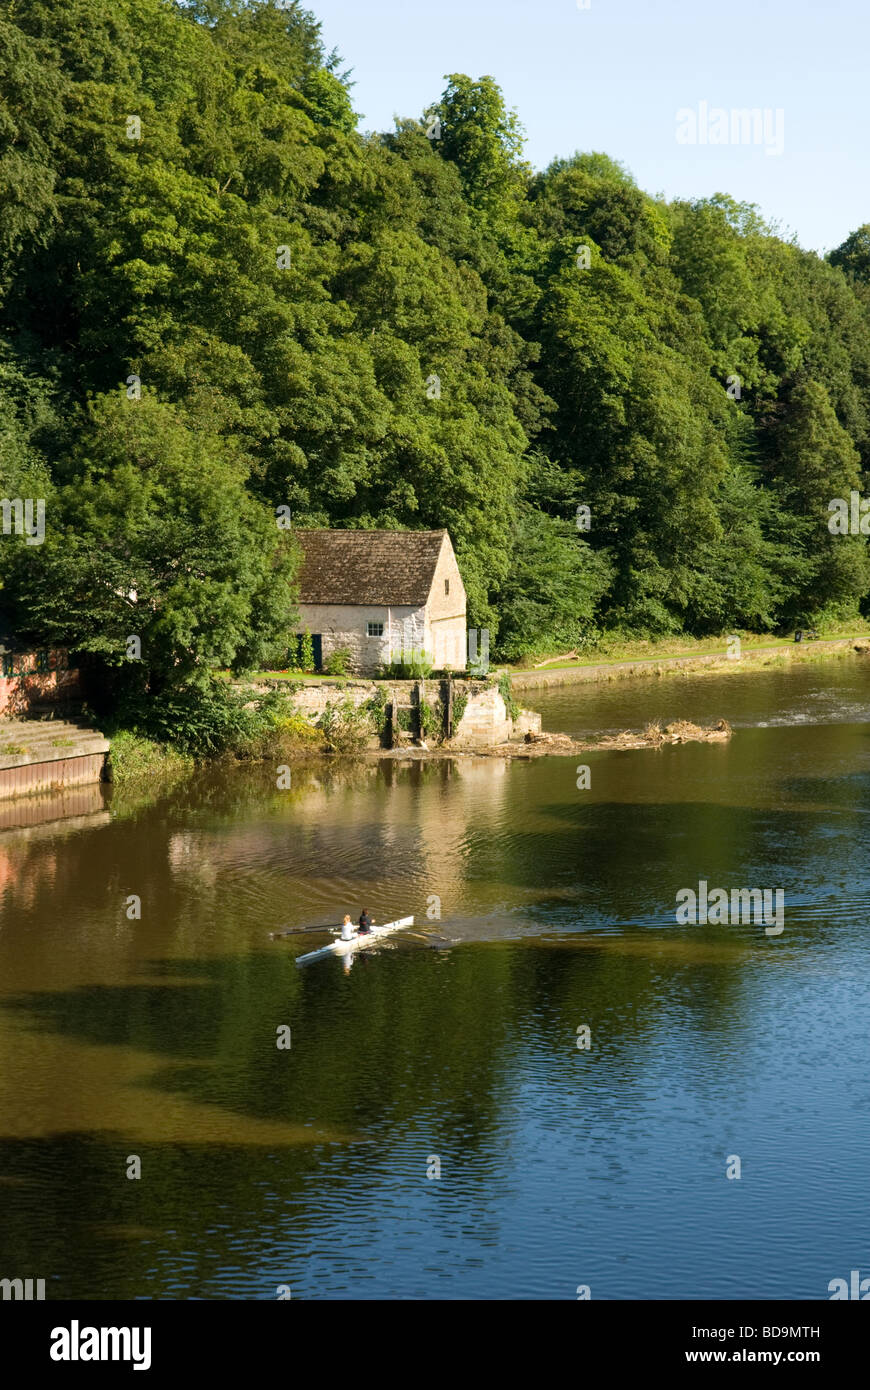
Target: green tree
(816,462)
(31,117)
(553,589)
(853,256)
(158,540)
(391,330)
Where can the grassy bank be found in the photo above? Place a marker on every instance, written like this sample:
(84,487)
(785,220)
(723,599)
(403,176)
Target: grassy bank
(296,677)
(707,657)
(651,649)
(133,757)
(136,759)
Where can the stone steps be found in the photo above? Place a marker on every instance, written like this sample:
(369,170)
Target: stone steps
(26,741)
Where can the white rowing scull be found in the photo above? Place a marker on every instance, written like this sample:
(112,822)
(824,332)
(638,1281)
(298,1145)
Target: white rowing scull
(358,942)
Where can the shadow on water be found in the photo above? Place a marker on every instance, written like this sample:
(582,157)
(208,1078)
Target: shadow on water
(409,1056)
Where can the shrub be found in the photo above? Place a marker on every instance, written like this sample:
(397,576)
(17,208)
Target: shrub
(288,735)
(378,702)
(345,727)
(197,721)
(131,757)
(338,662)
(460,703)
(301,655)
(430,720)
(506,692)
(211,721)
(417,667)
(377,708)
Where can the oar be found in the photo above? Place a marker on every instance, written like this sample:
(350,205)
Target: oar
(429,938)
(292,931)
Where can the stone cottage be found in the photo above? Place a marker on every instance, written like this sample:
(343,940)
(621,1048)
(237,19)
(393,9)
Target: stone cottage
(382,595)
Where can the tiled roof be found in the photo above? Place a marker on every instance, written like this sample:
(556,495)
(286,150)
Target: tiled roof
(368,567)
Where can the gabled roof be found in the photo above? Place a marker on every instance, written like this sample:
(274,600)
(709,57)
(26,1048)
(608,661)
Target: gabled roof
(369,567)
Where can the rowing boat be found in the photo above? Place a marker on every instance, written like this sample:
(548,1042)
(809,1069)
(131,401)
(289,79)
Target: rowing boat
(357,942)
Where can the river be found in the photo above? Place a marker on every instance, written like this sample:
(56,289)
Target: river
(433,1130)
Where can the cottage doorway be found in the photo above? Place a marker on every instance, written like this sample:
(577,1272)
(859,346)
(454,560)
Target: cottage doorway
(316,647)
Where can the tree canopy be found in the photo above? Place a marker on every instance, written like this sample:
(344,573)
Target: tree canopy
(218,299)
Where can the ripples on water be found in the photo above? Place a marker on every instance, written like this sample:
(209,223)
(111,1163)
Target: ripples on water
(559,1166)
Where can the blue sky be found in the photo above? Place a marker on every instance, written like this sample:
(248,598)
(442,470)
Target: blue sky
(613,77)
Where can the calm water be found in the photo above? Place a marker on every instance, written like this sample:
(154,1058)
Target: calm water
(307,1167)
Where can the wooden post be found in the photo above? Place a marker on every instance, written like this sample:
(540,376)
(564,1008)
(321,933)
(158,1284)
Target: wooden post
(448,704)
(394,719)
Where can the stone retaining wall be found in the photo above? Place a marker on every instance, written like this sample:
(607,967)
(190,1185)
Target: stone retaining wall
(485,720)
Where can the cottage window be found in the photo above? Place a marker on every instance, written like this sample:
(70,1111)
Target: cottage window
(447,586)
(374,629)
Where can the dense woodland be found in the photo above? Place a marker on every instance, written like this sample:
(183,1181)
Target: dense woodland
(218,300)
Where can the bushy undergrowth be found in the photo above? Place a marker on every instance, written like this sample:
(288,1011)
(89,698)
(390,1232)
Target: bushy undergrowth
(377,708)
(506,693)
(207,722)
(133,757)
(346,727)
(431,719)
(338,662)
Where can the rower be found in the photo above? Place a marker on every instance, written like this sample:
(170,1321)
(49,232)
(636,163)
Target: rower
(365,922)
(347,928)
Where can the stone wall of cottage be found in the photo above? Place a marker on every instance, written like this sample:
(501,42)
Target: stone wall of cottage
(344,627)
(438,629)
(447,595)
(446,642)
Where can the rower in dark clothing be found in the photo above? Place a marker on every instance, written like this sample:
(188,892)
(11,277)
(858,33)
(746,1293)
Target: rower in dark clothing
(365,922)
